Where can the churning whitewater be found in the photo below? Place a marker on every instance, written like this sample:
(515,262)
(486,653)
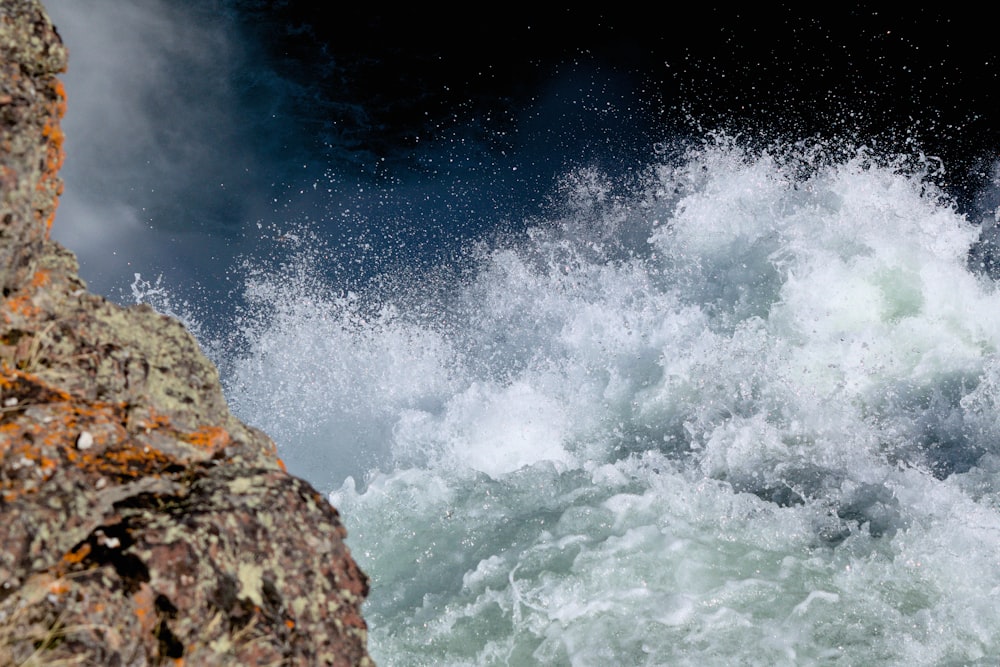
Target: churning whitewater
(746,413)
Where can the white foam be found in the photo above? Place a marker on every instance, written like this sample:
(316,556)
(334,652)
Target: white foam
(745,416)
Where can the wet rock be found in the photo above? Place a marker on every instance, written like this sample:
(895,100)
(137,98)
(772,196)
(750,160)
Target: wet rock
(142,523)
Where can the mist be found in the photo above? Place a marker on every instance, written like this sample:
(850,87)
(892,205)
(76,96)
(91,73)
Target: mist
(161,174)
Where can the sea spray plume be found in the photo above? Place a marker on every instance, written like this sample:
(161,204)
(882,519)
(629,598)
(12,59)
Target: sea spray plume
(332,342)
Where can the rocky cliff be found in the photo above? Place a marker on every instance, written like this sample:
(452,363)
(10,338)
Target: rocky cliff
(140,522)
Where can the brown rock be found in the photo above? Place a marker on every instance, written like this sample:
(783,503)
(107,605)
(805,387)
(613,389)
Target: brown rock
(141,523)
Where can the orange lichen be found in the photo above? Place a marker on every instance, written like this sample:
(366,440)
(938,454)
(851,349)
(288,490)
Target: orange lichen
(112,451)
(208,437)
(59,89)
(129,461)
(41,278)
(154,422)
(145,611)
(23,303)
(47,444)
(78,555)
(21,382)
(58,586)
(49,181)
(53,133)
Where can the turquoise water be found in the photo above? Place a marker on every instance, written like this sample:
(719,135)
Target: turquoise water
(744,414)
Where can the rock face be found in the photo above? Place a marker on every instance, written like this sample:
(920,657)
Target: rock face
(140,522)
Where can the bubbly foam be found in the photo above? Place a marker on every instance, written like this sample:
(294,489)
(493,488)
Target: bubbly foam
(747,415)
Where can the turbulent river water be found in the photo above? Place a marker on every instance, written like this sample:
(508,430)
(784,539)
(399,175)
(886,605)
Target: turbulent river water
(587,389)
(745,413)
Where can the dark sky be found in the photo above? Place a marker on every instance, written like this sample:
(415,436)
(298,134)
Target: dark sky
(192,126)
(928,72)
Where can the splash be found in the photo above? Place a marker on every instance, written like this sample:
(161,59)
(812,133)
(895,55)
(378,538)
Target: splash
(745,412)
